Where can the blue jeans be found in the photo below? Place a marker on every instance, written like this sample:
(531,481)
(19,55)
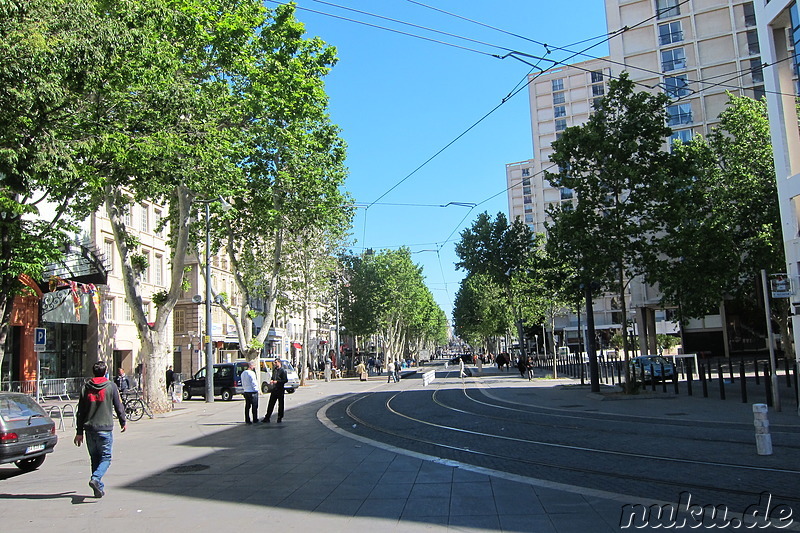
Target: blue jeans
(99,444)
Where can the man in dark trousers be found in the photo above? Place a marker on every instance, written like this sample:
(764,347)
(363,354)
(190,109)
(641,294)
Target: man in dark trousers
(94,419)
(278,381)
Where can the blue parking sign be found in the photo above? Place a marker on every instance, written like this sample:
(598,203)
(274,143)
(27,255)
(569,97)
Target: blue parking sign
(40,337)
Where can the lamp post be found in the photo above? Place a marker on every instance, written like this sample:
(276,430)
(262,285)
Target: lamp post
(208,340)
(209,348)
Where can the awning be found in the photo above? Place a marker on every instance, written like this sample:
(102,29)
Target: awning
(297,345)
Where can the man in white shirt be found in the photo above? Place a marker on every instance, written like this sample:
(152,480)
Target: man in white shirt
(250,388)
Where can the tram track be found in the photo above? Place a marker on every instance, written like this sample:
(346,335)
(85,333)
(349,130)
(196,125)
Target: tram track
(537,461)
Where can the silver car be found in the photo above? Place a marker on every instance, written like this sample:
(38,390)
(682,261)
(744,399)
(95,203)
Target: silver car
(27,434)
(266,373)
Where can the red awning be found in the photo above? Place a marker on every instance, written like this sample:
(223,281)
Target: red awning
(297,345)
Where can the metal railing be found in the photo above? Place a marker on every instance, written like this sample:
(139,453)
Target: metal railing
(61,388)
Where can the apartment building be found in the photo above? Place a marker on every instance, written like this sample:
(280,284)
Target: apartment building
(695,51)
(779,32)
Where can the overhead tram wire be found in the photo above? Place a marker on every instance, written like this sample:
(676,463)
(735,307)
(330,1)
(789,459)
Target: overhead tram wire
(386,29)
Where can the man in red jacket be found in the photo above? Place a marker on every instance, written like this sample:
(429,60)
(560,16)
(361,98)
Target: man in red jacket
(95,419)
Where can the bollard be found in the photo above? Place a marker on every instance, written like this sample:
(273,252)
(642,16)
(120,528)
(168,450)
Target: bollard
(663,379)
(721,381)
(768,383)
(761,423)
(742,381)
(689,380)
(704,381)
(786,369)
(755,366)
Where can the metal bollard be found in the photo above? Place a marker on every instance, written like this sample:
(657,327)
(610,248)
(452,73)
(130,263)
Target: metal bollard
(761,423)
(743,381)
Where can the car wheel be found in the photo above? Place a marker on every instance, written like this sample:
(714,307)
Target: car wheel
(186,395)
(226,395)
(27,465)
(290,391)
(265,388)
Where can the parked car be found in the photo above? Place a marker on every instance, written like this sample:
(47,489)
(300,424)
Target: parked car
(642,365)
(27,434)
(227,381)
(266,373)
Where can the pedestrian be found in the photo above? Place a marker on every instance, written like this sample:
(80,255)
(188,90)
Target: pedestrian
(461,372)
(170,377)
(397,366)
(122,381)
(390,372)
(139,372)
(250,393)
(278,381)
(95,421)
(361,370)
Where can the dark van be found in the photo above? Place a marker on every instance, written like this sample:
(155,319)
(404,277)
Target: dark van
(227,381)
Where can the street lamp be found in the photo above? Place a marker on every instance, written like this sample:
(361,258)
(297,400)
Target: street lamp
(209,348)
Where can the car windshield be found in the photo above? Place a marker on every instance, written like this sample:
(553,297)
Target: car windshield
(657,360)
(18,407)
(287,365)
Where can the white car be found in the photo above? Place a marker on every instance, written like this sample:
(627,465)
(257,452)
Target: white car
(266,374)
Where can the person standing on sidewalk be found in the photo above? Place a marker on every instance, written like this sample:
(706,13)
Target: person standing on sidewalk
(94,419)
(250,393)
(278,382)
(390,372)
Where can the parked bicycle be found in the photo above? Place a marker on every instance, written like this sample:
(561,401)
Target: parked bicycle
(135,407)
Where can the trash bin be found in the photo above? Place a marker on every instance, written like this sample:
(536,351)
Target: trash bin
(177,392)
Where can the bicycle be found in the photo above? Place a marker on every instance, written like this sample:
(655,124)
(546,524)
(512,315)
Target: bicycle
(134,405)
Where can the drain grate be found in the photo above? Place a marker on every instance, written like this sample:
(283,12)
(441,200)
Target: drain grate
(188,469)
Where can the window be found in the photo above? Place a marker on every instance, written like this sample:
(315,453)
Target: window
(108,309)
(126,312)
(526,200)
(559,98)
(679,114)
(526,181)
(752,42)
(158,266)
(146,269)
(596,102)
(558,135)
(159,231)
(560,111)
(561,124)
(683,136)
(598,90)
(108,253)
(526,190)
(756,70)
(758,92)
(179,323)
(566,193)
(558,85)
(529,208)
(596,76)
(526,172)
(669,33)
(676,86)
(145,218)
(667,8)
(127,214)
(674,59)
(529,219)
(749,14)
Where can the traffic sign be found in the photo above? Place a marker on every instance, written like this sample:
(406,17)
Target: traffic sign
(39,339)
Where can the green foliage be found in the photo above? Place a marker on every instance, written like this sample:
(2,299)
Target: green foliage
(666,342)
(160,297)
(726,225)
(139,262)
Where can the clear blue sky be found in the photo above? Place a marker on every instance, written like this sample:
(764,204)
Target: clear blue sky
(400,99)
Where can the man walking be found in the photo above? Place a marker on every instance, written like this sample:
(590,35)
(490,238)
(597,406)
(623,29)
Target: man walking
(95,420)
(250,388)
(278,381)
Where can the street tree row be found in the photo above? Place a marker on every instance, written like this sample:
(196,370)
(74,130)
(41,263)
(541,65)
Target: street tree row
(178,102)
(384,295)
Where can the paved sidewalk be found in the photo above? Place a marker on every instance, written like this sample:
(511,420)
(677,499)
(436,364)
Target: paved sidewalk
(201,469)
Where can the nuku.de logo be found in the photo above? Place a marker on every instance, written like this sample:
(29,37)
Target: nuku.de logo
(693,515)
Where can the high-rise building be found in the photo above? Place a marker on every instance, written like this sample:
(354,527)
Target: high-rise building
(696,52)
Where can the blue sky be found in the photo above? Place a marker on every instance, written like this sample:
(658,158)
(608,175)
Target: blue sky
(400,99)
